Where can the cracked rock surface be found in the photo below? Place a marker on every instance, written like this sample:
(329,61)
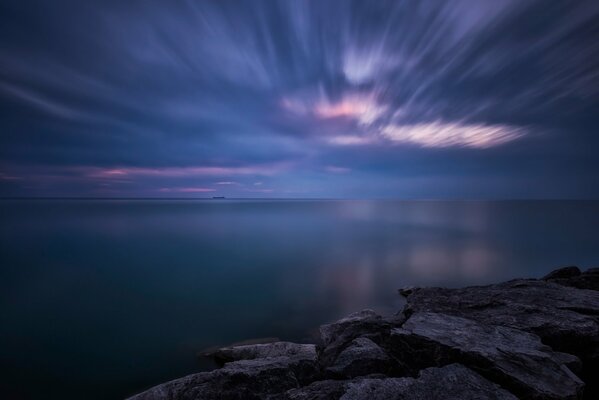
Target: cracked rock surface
(526,339)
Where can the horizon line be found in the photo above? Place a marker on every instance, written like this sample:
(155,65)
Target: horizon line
(297,198)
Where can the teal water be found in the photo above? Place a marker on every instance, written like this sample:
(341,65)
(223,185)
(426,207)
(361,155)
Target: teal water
(102,298)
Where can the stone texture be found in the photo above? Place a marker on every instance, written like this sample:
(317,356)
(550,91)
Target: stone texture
(253,351)
(362,357)
(514,358)
(366,323)
(238,380)
(517,338)
(563,317)
(452,382)
(585,280)
(562,273)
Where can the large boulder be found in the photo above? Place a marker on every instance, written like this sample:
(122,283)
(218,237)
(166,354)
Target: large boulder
(562,273)
(565,318)
(513,358)
(571,276)
(338,335)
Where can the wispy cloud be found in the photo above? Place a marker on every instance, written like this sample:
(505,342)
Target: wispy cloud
(199,94)
(439,134)
(187,190)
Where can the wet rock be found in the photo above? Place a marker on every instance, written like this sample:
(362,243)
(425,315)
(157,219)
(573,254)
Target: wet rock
(253,351)
(362,357)
(514,358)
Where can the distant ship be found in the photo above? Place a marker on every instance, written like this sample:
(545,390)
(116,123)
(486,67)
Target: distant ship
(218,197)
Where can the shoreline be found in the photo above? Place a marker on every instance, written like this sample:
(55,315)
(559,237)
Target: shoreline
(525,338)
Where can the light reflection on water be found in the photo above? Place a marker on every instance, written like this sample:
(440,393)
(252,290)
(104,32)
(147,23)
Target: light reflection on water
(112,296)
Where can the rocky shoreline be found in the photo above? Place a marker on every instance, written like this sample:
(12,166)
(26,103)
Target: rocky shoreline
(522,339)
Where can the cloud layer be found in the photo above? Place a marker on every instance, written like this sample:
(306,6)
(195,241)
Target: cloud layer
(309,99)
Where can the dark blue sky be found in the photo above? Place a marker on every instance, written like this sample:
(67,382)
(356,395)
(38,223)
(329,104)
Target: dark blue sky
(405,99)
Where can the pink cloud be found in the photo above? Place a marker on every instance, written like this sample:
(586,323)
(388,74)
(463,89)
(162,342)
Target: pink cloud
(336,170)
(187,190)
(440,134)
(362,107)
(349,140)
(186,171)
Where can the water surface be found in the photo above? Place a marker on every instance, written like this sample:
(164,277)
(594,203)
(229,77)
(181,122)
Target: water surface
(100,299)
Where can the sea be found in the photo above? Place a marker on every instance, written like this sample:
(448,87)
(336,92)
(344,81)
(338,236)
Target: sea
(103,298)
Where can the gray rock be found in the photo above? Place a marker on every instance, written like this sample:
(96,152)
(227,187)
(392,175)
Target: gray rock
(562,273)
(585,280)
(253,351)
(563,317)
(238,380)
(502,332)
(514,358)
(452,382)
(366,323)
(362,357)
(321,390)
(406,291)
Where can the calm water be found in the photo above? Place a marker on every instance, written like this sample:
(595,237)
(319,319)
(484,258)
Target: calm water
(100,299)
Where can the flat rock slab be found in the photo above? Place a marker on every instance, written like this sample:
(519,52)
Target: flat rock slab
(253,351)
(452,382)
(514,358)
(238,380)
(565,318)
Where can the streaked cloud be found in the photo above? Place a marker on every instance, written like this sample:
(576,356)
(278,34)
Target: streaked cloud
(439,134)
(348,140)
(187,190)
(196,94)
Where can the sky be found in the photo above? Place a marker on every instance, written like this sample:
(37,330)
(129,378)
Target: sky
(463,99)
